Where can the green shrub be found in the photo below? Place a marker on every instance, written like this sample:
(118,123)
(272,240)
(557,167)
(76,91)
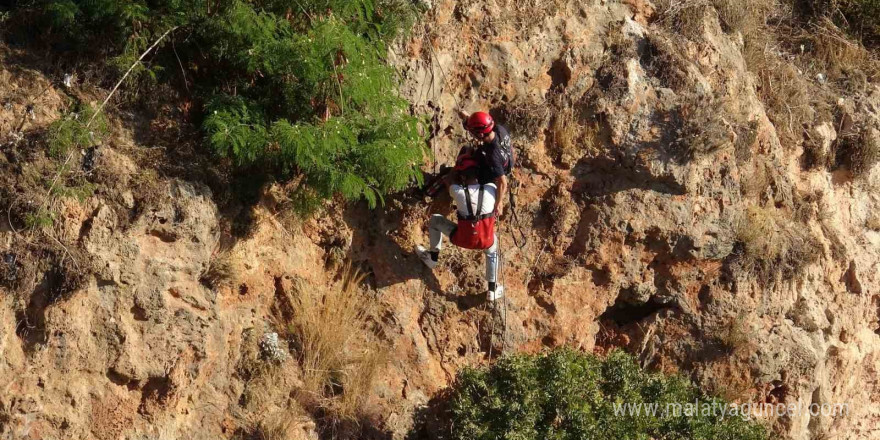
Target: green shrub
(79,191)
(42,218)
(72,130)
(337,120)
(298,89)
(565,394)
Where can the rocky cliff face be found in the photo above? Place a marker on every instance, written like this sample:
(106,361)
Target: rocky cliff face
(664,213)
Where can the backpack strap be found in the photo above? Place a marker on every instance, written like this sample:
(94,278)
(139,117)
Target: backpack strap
(467,197)
(479,202)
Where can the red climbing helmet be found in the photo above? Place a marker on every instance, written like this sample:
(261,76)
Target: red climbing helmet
(480,123)
(464,162)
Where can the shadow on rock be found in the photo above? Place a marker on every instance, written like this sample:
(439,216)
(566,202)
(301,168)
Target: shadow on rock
(433,420)
(600,176)
(373,242)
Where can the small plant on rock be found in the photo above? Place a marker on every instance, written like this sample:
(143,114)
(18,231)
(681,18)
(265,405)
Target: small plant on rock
(735,334)
(859,152)
(772,247)
(39,219)
(73,130)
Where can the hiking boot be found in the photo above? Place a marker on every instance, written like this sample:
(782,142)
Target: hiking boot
(425,256)
(496,294)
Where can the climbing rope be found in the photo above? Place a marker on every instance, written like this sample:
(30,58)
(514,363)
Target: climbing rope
(501,263)
(522,240)
(503,310)
(435,119)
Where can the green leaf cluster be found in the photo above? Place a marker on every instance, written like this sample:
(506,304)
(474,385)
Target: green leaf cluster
(73,130)
(40,219)
(297,89)
(80,191)
(566,394)
(324,107)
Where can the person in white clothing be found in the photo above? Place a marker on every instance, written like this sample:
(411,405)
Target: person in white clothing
(472,208)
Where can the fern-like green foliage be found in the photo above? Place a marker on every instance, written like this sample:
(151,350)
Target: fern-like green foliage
(570,395)
(333,116)
(294,88)
(236,128)
(72,130)
(80,191)
(39,219)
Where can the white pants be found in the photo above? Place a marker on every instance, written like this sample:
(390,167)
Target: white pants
(440,226)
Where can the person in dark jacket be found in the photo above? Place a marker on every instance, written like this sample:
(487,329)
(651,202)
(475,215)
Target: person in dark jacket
(494,154)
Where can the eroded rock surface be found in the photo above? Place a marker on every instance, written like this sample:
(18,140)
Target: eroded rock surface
(637,238)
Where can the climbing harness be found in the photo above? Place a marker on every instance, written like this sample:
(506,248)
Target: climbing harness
(475,230)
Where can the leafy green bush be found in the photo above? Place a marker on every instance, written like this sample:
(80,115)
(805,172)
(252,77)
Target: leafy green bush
(73,130)
(332,115)
(570,395)
(298,89)
(42,218)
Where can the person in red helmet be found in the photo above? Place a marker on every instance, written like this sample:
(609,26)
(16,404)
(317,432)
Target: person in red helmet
(495,153)
(475,228)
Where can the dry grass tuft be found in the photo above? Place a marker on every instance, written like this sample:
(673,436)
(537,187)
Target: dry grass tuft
(564,133)
(703,129)
(683,16)
(859,153)
(336,349)
(747,17)
(687,16)
(772,247)
(221,271)
(781,87)
(570,137)
(572,131)
(735,335)
(832,52)
(527,118)
(525,16)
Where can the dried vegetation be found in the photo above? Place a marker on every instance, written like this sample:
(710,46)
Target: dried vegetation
(336,349)
(773,247)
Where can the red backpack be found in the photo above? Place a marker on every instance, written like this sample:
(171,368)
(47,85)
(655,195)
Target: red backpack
(474,231)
